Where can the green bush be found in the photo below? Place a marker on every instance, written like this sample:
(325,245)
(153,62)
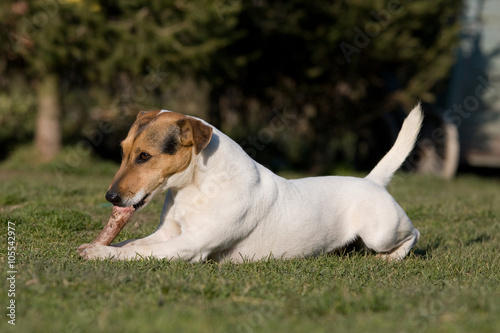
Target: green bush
(331,66)
(336,65)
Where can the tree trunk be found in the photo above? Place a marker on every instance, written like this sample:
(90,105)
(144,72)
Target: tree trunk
(48,129)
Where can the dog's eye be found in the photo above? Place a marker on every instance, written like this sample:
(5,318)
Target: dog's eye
(143,157)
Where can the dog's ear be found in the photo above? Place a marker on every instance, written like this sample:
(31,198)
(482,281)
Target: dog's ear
(147,114)
(194,133)
(143,119)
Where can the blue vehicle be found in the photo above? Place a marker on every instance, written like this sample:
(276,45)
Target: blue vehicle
(473,104)
(465,131)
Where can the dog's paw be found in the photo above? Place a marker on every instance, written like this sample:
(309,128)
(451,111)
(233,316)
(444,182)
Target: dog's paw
(82,247)
(97,251)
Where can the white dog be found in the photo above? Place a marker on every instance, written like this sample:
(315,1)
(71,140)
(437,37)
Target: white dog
(222,205)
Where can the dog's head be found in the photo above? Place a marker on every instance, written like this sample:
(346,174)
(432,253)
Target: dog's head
(158,145)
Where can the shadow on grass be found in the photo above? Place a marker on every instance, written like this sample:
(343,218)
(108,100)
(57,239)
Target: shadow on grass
(483,238)
(358,247)
(424,254)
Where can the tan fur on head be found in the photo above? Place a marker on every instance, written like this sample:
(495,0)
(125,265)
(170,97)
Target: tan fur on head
(158,145)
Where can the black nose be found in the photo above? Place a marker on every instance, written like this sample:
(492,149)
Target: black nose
(113,197)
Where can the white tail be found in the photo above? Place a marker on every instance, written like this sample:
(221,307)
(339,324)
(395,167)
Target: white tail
(390,163)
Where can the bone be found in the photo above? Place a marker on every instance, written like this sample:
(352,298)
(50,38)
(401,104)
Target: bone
(118,219)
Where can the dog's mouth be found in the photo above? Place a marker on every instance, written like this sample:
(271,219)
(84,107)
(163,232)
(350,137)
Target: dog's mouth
(141,203)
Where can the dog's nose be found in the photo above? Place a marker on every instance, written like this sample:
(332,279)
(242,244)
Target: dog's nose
(113,197)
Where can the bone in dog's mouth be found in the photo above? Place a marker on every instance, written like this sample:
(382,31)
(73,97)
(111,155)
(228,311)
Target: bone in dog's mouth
(141,203)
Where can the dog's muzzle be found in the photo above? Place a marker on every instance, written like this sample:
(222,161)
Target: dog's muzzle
(116,199)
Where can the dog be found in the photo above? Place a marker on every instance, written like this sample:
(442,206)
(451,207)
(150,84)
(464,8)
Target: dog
(221,205)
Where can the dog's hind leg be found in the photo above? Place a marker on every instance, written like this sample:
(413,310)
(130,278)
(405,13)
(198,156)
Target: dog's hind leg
(403,249)
(391,235)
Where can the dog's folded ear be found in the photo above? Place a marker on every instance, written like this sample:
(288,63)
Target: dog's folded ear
(194,133)
(147,114)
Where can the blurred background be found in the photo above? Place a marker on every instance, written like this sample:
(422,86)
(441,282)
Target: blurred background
(312,86)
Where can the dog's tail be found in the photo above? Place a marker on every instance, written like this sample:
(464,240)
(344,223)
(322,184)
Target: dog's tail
(390,163)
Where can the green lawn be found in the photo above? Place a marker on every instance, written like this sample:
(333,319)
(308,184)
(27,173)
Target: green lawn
(450,283)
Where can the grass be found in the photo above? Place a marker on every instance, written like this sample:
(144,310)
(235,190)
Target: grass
(449,283)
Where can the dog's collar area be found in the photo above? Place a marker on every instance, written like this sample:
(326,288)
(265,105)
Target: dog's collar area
(141,203)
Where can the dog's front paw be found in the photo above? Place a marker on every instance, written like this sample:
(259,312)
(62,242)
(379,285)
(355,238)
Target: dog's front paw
(97,251)
(82,247)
